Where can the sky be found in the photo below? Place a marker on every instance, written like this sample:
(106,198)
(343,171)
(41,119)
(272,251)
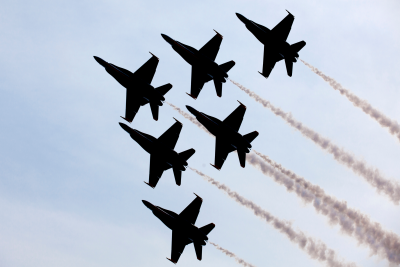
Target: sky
(71,180)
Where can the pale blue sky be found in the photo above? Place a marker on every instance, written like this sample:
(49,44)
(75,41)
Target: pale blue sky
(71,180)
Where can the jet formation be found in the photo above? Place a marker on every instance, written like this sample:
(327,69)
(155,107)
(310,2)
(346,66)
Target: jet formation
(227,137)
(275,46)
(183,229)
(204,67)
(163,156)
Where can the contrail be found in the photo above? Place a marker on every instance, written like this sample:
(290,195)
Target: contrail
(392,125)
(189,117)
(232,255)
(316,249)
(372,175)
(352,222)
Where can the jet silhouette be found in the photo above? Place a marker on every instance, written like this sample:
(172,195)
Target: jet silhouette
(183,229)
(139,90)
(204,68)
(275,46)
(228,139)
(162,153)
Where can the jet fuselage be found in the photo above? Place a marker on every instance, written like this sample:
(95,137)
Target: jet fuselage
(154,147)
(173,222)
(197,59)
(145,91)
(266,37)
(220,129)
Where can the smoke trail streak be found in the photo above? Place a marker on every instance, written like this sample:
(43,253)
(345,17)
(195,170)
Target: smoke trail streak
(352,222)
(382,119)
(232,255)
(189,117)
(373,176)
(316,249)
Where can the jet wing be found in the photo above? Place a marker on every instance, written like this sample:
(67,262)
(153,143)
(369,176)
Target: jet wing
(132,105)
(211,48)
(191,212)
(270,59)
(146,72)
(234,120)
(156,170)
(198,81)
(222,149)
(179,243)
(170,137)
(282,29)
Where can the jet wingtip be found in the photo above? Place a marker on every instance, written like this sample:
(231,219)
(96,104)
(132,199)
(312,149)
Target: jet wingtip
(198,196)
(191,96)
(242,165)
(126,119)
(174,262)
(263,75)
(242,104)
(289,12)
(149,185)
(218,168)
(154,56)
(219,34)
(177,120)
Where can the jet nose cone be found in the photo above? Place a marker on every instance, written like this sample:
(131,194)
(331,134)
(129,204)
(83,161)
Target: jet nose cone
(125,127)
(192,110)
(148,204)
(167,38)
(241,17)
(100,61)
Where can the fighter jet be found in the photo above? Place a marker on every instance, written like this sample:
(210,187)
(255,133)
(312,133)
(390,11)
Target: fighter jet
(275,46)
(162,153)
(204,68)
(183,229)
(139,90)
(228,138)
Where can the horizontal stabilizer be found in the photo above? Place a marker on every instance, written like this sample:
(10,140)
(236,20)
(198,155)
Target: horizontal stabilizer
(163,89)
(126,119)
(218,168)
(251,136)
(178,175)
(242,158)
(228,65)
(298,46)
(154,110)
(199,250)
(218,87)
(289,66)
(206,229)
(191,96)
(187,154)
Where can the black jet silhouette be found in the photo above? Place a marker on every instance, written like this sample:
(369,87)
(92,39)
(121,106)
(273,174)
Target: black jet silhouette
(183,229)
(228,139)
(204,68)
(162,153)
(139,90)
(275,46)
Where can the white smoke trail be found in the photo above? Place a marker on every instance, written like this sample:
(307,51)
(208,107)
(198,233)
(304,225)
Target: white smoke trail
(373,176)
(189,117)
(382,119)
(316,249)
(232,255)
(352,222)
